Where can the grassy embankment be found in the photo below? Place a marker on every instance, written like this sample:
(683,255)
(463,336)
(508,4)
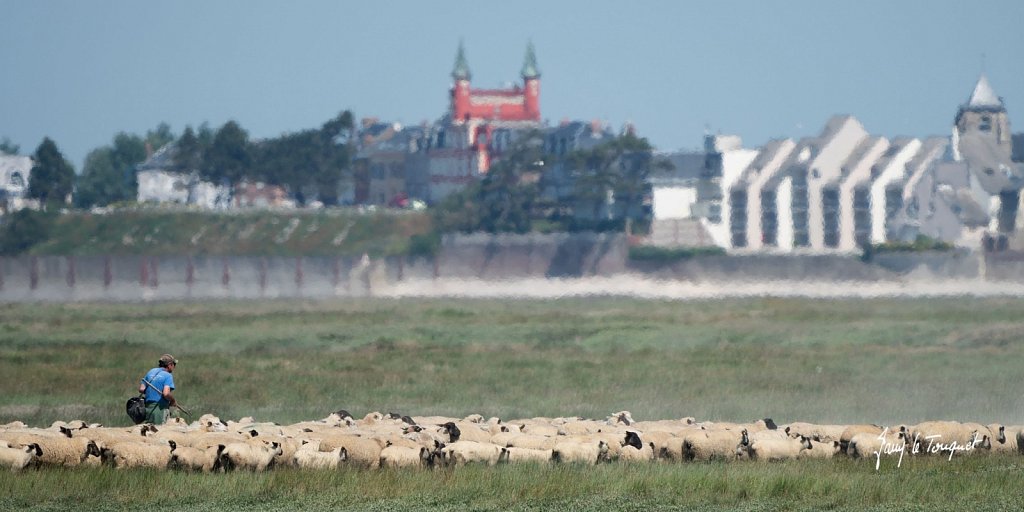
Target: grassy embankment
(880,361)
(268,233)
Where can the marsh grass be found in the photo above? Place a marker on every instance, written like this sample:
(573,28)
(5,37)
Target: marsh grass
(879,361)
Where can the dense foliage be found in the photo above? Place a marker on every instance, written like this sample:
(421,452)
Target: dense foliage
(52,178)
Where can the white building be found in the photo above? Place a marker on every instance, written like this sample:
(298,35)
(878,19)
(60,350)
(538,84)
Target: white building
(14,174)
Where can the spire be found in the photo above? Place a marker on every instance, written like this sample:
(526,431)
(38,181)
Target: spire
(530,63)
(984,96)
(461,70)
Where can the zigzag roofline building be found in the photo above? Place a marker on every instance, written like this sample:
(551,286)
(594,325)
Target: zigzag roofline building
(846,188)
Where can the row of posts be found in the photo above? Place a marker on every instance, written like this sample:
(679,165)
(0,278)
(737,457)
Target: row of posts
(149,272)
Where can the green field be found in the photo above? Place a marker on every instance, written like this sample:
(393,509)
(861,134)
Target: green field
(830,361)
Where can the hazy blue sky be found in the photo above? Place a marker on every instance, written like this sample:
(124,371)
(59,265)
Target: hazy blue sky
(81,71)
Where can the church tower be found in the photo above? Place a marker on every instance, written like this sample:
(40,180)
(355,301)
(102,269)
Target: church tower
(460,89)
(531,84)
(985,113)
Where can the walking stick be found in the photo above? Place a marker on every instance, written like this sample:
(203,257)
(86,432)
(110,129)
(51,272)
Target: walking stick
(180,408)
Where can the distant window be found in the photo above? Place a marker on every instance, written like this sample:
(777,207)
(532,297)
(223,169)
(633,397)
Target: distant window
(17,180)
(989,172)
(815,173)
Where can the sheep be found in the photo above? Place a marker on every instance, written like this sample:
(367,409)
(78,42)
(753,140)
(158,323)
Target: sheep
(1006,439)
(310,459)
(205,460)
(820,450)
(532,441)
(575,451)
(395,456)
(852,430)
(515,455)
(58,449)
(579,427)
(706,445)
(249,456)
(362,451)
(774,449)
(539,429)
(623,418)
(17,459)
(930,437)
(872,445)
(137,454)
(814,431)
(461,453)
(469,432)
(630,453)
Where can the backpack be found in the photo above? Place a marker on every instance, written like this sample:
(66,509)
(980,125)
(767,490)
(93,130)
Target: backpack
(136,408)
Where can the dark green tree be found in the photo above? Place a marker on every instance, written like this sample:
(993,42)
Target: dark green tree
(229,156)
(159,136)
(504,200)
(188,152)
(618,169)
(52,178)
(108,175)
(23,229)
(6,146)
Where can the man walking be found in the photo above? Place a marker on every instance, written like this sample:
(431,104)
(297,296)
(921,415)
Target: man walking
(157,385)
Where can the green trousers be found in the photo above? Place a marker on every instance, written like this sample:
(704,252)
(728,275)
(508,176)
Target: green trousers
(156,413)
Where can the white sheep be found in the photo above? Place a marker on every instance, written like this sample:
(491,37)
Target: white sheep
(137,454)
(515,455)
(205,460)
(820,450)
(872,445)
(17,459)
(774,449)
(532,441)
(362,451)
(249,456)
(576,451)
(705,445)
(461,453)
(58,449)
(310,459)
(815,431)
(1006,441)
(396,456)
(852,430)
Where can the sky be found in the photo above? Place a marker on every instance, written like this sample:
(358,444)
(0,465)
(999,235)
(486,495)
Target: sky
(79,72)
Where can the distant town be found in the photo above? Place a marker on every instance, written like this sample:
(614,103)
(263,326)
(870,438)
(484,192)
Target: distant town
(492,163)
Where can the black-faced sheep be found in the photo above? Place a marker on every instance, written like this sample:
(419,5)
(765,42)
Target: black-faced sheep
(461,453)
(249,456)
(17,459)
(188,458)
(580,452)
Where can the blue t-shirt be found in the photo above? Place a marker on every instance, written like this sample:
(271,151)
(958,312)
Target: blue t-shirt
(159,378)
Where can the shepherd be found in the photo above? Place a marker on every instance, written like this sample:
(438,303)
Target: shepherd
(158,385)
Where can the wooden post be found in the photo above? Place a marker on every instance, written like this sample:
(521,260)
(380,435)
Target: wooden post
(190,272)
(298,272)
(33,273)
(71,272)
(108,272)
(225,277)
(263,274)
(336,272)
(143,272)
(154,277)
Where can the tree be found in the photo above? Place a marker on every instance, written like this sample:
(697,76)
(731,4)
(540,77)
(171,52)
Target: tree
(229,156)
(52,177)
(6,146)
(188,154)
(617,169)
(159,136)
(504,200)
(108,175)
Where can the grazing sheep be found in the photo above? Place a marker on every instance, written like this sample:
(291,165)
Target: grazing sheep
(137,454)
(1005,438)
(624,418)
(539,429)
(17,459)
(575,451)
(395,456)
(468,431)
(930,437)
(774,449)
(461,453)
(820,450)
(869,444)
(852,430)
(515,455)
(630,453)
(188,458)
(362,451)
(581,427)
(310,459)
(814,431)
(532,441)
(706,445)
(58,449)
(249,456)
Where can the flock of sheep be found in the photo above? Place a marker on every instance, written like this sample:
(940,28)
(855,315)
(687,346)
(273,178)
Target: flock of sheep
(393,440)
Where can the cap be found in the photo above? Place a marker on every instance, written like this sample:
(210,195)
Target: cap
(167,359)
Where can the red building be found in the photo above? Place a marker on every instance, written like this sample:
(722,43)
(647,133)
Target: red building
(479,112)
